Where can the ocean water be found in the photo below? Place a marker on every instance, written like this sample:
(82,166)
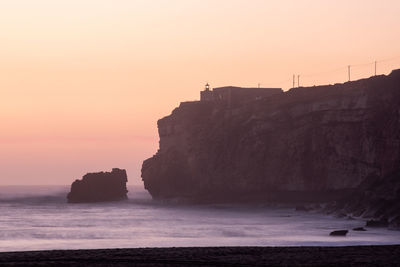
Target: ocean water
(38,218)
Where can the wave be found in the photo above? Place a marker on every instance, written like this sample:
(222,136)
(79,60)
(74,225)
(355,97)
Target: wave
(62,198)
(58,194)
(35,199)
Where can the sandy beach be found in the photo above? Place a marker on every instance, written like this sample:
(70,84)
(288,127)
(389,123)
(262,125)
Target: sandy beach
(211,256)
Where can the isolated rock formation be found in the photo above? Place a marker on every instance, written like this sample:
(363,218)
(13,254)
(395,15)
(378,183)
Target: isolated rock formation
(99,187)
(311,144)
(339,233)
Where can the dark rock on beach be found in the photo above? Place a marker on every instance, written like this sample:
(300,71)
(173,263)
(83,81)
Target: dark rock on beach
(339,233)
(99,187)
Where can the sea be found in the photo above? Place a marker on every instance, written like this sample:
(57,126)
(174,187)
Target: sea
(39,218)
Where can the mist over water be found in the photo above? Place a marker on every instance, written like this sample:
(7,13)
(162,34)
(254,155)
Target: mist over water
(38,218)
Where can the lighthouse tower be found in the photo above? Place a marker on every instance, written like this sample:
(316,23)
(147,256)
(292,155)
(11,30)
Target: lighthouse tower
(207,94)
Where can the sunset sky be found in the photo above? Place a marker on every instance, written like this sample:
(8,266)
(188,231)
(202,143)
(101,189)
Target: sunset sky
(83,82)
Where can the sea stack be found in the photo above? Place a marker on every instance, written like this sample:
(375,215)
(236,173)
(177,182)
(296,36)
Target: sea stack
(99,187)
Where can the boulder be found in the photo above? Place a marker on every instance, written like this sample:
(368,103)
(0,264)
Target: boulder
(99,187)
(359,229)
(339,233)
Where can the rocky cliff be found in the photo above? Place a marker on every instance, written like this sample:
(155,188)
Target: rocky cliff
(309,143)
(99,187)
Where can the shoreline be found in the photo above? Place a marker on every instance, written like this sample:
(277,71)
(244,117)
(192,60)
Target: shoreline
(377,255)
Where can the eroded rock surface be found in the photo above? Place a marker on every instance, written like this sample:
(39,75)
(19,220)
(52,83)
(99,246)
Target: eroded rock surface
(99,187)
(376,199)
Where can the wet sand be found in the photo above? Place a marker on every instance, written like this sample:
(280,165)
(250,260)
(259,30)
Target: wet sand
(211,256)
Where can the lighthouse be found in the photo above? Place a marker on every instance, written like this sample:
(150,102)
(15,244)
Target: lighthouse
(207,94)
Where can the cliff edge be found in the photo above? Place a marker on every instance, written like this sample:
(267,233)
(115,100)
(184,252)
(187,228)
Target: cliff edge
(316,143)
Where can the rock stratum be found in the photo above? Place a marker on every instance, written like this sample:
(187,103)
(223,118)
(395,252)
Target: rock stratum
(321,143)
(99,187)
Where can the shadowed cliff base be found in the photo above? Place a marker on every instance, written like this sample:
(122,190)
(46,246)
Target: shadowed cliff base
(211,256)
(313,144)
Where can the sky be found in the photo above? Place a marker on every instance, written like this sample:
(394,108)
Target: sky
(83,82)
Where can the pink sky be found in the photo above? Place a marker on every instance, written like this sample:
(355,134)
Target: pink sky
(82,83)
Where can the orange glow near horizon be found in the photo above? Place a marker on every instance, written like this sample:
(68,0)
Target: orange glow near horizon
(83,83)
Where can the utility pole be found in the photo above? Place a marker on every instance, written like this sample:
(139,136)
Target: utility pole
(375,67)
(294,77)
(298,80)
(348,67)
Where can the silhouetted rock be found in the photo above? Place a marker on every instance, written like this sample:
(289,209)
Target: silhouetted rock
(99,187)
(377,223)
(339,233)
(312,144)
(359,229)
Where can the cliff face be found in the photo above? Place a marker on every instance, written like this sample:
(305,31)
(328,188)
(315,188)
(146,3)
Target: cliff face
(314,143)
(99,187)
